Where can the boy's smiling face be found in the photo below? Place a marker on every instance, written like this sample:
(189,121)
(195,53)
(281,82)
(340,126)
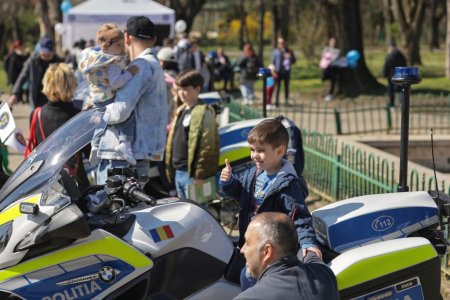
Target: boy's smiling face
(266,157)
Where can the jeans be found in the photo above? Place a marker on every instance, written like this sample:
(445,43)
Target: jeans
(142,167)
(247,90)
(282,77)
(126,129)
(182,181)
(247,281)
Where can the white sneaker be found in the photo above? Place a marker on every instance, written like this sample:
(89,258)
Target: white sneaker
(93,157)
(328,97)
(124,149)
(269,107)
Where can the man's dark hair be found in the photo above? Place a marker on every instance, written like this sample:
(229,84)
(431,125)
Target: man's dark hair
(190,78)
(270,131)
(278,230)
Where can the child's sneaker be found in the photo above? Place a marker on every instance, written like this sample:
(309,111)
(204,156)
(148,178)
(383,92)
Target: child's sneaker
(124,149)
(93,157)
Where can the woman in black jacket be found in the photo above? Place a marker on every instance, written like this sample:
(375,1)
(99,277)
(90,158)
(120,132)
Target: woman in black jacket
(59,86)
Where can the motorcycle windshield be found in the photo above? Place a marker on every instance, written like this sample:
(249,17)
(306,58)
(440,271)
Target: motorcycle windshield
(50,156)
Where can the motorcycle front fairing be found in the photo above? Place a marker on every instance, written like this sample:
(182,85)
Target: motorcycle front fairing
(49,157)
(38,183)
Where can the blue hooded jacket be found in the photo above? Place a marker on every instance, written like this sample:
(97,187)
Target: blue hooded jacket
(287,195)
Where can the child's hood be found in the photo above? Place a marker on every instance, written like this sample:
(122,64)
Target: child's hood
(286,169)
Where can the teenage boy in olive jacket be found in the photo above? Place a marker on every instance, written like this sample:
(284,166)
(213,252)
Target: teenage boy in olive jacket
(192,150)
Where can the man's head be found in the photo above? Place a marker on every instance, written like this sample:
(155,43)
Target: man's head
(111,40)
(281,43)
(189,84)
(139,34)
(268,143)
(46,50)
(392,46)
(141,27)
(270,236)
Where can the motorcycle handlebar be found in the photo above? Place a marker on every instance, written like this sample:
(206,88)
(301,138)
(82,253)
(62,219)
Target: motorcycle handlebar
(134,192)
(141,196)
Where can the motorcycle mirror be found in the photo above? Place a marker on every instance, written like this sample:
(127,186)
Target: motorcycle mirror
(29,208)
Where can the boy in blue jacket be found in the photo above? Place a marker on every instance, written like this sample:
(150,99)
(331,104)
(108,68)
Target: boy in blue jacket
(272,185)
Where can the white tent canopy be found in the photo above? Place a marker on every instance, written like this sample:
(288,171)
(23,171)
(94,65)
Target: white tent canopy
(83,20)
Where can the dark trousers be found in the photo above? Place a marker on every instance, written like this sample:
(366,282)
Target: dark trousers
(330,74)
(282,77)
(391,89)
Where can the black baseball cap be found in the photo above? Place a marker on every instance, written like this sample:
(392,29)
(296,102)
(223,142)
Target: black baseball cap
(141,27)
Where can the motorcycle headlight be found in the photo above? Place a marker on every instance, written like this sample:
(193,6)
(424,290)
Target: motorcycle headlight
(5,234)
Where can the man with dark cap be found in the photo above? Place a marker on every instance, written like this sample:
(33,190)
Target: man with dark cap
(270,251)
(394,59)
(144,96)
(33,71)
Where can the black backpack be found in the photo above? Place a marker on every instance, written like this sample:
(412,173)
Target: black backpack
(294,154)
(251,67)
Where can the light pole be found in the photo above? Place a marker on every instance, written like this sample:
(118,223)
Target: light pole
(404,77)
(264,73)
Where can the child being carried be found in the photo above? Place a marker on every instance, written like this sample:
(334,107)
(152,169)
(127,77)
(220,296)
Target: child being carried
(106,69)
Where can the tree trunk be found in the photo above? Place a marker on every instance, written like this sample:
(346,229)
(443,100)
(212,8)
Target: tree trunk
(410,17)
(387,21)
(187,10)
(44,20)
(261,12)
(447,43)
(346,18)
(437,13)
(275,24)
(283,17)
(243,30)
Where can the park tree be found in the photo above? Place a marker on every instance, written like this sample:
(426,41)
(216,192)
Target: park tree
(410,15)
(186,10)
(447,43)
(438,12)
(344,17)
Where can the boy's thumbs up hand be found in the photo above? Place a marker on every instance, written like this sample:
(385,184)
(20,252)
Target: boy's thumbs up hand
(226,171)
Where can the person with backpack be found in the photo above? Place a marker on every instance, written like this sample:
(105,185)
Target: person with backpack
(248,66)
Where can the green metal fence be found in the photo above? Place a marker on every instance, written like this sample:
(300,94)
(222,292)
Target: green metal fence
(344,117)
(352,171)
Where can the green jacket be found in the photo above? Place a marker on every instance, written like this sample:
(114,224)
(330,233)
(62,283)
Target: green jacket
(203,143)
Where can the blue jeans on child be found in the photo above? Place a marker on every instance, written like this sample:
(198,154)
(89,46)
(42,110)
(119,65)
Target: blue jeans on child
(126,129)
(182,181)
(247,90)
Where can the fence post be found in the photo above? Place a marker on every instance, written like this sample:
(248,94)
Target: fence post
(388,118)
(335,177)
(337,119)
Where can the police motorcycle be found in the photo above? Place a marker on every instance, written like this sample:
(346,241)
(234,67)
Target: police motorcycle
(116,242)
(107,242)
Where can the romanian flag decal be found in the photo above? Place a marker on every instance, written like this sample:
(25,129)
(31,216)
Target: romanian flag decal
(161,233)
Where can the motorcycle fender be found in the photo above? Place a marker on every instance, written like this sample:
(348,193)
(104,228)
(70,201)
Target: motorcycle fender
(90,268)
(399,267)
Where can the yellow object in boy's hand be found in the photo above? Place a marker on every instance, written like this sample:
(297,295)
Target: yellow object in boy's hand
(226,172)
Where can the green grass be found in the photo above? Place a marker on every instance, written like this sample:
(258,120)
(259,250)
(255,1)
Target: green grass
(305,78)
(3,80)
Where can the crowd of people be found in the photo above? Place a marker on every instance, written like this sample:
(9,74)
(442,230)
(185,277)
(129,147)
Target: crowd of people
(155,116)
